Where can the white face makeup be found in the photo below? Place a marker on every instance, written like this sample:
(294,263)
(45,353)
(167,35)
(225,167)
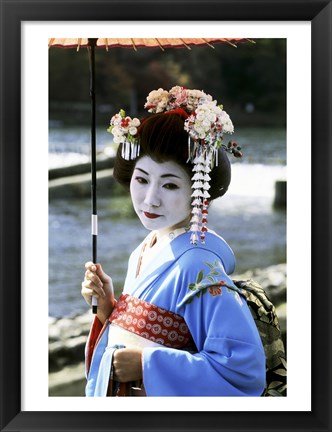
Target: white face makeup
(161,194)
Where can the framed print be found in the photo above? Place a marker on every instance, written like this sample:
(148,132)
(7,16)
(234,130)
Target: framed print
(26,403)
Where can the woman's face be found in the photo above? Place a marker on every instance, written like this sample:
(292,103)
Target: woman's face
(161,194)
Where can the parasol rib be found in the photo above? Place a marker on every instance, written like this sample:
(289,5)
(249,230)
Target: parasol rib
(160,45)
(207,43)
(230,43)
(134,46)
(187,46)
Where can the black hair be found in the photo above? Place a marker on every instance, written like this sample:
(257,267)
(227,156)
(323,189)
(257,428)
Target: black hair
(162,137)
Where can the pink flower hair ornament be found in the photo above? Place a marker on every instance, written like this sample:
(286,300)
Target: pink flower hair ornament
(204,121)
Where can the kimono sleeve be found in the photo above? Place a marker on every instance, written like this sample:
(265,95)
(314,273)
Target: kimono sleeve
(230,358)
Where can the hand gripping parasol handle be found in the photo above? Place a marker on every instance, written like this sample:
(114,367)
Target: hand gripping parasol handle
(94,219)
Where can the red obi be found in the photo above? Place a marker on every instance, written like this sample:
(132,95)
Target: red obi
(151,322)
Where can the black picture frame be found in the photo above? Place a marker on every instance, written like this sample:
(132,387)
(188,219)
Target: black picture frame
(319,13)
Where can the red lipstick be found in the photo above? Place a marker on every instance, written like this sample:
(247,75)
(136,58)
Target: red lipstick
(151,215)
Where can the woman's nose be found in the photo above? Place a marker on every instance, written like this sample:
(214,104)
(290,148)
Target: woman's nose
(152,198)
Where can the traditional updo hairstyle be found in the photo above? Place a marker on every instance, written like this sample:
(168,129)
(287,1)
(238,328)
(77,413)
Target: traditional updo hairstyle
(162,137)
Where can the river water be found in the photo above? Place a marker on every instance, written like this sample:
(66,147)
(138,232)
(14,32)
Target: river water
(245,216)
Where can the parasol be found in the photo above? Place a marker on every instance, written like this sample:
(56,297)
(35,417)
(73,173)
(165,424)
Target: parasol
(134,43)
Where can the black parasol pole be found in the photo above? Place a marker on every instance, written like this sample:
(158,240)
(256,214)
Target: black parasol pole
(94,217)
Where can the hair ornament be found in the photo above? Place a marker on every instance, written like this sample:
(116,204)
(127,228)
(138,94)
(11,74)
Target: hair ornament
(124,130)
(204,121)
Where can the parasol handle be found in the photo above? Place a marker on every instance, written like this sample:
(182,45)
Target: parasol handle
(94,218)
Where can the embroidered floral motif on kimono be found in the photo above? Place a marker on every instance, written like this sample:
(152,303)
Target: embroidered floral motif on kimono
(210,282)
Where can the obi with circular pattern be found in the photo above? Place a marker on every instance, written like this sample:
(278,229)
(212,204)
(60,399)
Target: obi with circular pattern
(151,322)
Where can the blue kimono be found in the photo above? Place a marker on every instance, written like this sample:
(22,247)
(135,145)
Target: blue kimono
(226,356)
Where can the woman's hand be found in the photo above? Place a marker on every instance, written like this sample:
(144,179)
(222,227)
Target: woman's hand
(98,284)
(127,364)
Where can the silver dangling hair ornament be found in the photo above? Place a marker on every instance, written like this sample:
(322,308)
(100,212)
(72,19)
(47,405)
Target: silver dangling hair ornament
(204,157)
(130,150)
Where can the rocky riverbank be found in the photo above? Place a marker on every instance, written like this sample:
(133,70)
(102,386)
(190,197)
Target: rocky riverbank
(67,336)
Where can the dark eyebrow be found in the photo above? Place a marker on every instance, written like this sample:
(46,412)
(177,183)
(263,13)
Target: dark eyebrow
(162,176)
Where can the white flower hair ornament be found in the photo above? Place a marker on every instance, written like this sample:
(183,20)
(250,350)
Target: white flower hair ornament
(124,130)
(205,122)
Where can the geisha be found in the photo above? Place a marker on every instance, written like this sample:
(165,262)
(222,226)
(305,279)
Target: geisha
(180,327)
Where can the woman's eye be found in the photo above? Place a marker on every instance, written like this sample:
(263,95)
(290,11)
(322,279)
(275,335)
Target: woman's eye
(141,180)
(171,186)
